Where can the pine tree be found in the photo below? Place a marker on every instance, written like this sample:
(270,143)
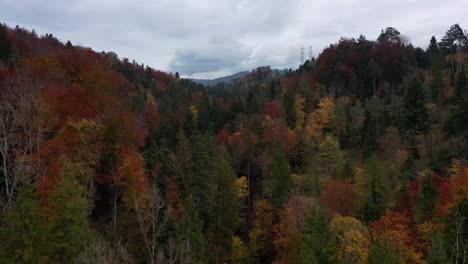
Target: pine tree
(288,103)
(427,199)
(224,204)
(461,85)
(373,186)
(433,47)
(437,86)
(68,231)
(21,229)
(5,45)
(330,154)
(415,116)
(382,253)
(202,172)
(281,177)
(317,241)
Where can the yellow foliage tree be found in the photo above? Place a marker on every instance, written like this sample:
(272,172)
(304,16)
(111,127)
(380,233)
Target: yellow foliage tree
(239,252)
(354,239)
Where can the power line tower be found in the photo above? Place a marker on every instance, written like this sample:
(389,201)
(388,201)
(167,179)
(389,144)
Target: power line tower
(310,52)
(302,54)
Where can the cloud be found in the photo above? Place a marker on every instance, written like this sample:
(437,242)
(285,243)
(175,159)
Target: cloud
(210,38)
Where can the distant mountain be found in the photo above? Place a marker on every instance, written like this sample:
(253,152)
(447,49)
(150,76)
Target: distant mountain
(232,78)
(225,79)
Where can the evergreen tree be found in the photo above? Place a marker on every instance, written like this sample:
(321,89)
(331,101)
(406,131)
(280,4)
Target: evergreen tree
(433,47)
(201,185)
(437,86)
(317,241)
(461,84)
(427,199)
(281,177)
(415,117)
(21,229)
(330,154)
(225,204)
(288,104)
(5,45)
(68,232)
(346,171)
(373,186)
(382,253)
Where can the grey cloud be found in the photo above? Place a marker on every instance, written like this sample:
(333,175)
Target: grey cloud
(214,37)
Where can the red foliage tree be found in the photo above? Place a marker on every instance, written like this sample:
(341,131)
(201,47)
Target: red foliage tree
(342,196)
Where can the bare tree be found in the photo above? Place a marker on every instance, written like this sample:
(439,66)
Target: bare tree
(18,135)
(153,215)
(100,252)
(460,241)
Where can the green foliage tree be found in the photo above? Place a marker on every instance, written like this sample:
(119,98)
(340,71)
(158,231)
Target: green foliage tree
(373,185)
(426,202)
(461,84)
(225,204)
(317,241)
(330,154)
(415,117)
(382,253)
(288,104)
(22,229)
(5,45)
(281,177)
(68,232)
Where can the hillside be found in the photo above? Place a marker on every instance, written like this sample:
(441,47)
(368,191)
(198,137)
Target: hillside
(358,156)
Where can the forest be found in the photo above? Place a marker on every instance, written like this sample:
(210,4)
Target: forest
(358,156)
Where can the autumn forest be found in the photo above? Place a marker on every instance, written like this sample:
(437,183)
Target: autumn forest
(360,155)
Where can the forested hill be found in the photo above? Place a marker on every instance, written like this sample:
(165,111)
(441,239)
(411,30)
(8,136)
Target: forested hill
(358,156)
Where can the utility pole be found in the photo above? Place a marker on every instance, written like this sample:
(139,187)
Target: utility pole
(302,54)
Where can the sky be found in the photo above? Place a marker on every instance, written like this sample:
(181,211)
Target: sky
(213,38)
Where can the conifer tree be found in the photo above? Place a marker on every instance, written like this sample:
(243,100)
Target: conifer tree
(281,177)
(68,232)
(21,229)
(415,117)
(317,241)
(225,204)
(427,199)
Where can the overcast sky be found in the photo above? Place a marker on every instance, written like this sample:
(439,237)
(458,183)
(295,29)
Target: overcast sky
(212,38)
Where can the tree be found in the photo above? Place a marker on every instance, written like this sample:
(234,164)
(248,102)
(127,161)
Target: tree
(381,252)
(353,239)
(452,43)
(373,185)
(289,109)
(390,35)
(317,241)
(427,200)
(239,252)
(224,205)
(299,105)
(415,117)
(152,219)
(357,116)
(433,47)
(68,232)
(461,84)
(394,228)
(281,182)
(341,196)
(22,229)
(330,155)
(261,235)
(293,218)
(5,45)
